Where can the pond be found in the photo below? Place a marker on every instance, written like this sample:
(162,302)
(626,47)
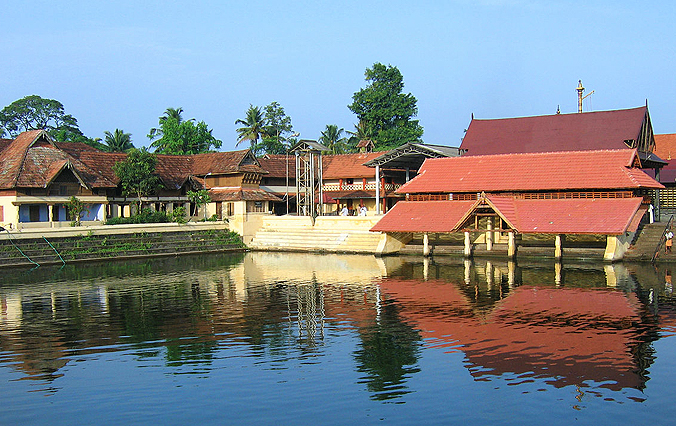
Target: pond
(272,338)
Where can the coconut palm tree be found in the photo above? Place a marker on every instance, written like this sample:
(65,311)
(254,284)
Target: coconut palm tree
(254,127)
(118,141)
(332,139)
(360,133)
(176,113)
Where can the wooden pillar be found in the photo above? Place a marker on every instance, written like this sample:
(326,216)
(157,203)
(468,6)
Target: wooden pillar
(489,234)
(558,246)
(50,215)
(468,245)
(426,244)
(511,246)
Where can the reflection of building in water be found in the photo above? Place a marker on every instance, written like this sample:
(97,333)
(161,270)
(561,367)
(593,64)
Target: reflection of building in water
(564,335)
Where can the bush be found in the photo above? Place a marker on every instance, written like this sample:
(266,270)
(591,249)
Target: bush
(178,215)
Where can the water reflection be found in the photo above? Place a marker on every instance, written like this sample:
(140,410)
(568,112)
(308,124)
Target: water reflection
(590,326)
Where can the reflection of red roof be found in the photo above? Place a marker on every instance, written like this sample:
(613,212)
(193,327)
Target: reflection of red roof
(560,132)
(608,216)
(424,216)
(551,171)
(565,335)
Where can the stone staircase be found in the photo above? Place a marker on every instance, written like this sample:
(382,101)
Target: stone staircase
(646,242)
(312,239)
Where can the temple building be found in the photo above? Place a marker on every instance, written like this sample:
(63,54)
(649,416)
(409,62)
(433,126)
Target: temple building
(498,198)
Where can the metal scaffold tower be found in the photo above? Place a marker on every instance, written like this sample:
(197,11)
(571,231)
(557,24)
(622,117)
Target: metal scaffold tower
(309,177)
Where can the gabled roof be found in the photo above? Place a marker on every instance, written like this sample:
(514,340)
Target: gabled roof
(606,216)
(559,132)
(308,145)
(548,171)
(665,148)
(225,163)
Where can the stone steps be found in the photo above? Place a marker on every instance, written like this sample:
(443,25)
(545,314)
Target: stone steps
(110,246)
(312,239)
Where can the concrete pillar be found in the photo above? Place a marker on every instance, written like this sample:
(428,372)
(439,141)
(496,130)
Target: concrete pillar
(489,234)
(50,215)
(558,246)
(426,244)
(511,246)
(377,189)
(468,245)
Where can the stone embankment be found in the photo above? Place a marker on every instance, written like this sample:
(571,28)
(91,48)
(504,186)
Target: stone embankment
(49,247)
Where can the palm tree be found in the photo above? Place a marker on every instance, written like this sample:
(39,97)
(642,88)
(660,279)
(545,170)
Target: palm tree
(332,139)
(360,133)
(118,141)
(254,127)
(175,113)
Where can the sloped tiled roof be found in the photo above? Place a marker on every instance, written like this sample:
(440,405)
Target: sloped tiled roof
(225,162)
(559,132)
(276,165)
(236,194)
(334,166)
(665,148)
(551,171)
(424,216)
(348,165)
(606,216)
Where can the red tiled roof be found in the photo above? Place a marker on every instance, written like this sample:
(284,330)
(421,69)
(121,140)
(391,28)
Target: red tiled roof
(607,216)
(665,148)
(276,165)
(559,132)
(577,170)
(225,162)
(424,216)
(349,165)
(238,194)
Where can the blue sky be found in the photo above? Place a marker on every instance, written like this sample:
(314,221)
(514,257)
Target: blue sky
(120,64)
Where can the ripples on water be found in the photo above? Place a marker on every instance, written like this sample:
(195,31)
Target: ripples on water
(284,338)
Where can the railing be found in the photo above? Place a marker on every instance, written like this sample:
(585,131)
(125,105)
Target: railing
(663,238)
(371,186)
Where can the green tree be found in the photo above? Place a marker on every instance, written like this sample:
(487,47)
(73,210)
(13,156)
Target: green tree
(181,137)
(279,130)
(332,138)
(360,133)
(137,174)
(75,208)
(254,127)
(200,198)
(118,141)
(176,113)
(385,111)
(36,113)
